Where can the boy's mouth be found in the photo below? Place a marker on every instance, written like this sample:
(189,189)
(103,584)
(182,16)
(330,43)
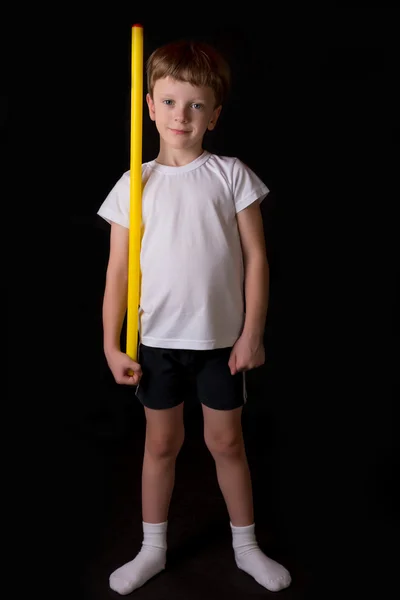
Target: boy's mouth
(179,131)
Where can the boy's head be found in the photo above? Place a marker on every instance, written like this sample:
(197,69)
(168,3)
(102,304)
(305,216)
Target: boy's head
(187,83)
(193,62)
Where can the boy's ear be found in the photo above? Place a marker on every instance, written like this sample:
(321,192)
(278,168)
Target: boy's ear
(150,104)
(214,118)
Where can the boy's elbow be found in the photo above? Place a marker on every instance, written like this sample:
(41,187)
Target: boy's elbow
(256,258)
(117,273)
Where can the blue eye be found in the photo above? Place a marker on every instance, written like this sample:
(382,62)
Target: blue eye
(167,102)
(197,106)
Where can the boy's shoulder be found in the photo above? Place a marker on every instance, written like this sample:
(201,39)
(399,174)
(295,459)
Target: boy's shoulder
(229,163)
(226,161)
(232,167)
(225,158)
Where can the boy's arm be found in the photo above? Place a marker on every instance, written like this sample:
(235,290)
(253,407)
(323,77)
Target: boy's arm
(124,369)
(249,349)
(116,289)
(256,270)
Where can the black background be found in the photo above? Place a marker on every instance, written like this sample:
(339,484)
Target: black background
(312,111)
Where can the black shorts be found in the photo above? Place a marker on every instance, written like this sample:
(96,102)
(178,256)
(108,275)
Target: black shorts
(168,375)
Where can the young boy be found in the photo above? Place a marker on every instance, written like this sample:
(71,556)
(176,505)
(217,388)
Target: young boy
(203,304)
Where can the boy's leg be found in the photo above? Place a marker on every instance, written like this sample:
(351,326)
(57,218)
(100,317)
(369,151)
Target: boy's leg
(222,397)
(161,391)
(164,439)
(224,439)
(223,436)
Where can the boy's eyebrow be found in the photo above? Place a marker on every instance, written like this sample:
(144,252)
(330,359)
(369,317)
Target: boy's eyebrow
(195,99)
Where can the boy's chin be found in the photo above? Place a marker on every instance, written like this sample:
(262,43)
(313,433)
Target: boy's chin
(180,144)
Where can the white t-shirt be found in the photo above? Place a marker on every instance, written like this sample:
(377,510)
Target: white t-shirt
(192,287)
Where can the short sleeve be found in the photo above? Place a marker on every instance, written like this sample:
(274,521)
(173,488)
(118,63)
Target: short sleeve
(247,187)
(115,208)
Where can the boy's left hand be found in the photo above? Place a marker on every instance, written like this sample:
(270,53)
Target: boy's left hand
(248,353)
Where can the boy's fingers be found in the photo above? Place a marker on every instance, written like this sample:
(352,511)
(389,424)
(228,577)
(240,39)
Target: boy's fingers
(232,363)
(134,376)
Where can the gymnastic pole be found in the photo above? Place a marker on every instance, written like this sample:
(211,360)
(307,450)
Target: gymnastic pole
(135,213)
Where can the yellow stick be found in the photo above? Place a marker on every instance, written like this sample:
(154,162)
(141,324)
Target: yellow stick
(135,214)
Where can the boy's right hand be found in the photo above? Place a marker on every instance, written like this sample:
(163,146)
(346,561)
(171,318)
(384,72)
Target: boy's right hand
(125,370)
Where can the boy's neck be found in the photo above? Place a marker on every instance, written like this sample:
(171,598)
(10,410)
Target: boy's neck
(178,158)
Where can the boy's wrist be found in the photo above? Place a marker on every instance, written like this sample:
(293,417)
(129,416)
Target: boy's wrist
(110,349)
(254,335)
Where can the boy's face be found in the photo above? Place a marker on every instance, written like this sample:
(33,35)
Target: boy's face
(182,112)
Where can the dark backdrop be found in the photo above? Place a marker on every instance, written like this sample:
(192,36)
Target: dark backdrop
(312,111)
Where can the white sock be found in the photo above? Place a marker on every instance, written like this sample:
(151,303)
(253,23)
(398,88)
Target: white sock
(150,560)
(253,561)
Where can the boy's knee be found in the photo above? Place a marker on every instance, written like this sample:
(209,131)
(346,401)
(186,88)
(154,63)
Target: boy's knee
(228,445)
(165,446)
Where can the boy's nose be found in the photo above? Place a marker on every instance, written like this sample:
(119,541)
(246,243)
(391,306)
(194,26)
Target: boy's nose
(181,116)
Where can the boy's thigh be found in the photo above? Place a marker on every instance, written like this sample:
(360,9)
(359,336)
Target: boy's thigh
(165,428)
(216,387)
(164,382)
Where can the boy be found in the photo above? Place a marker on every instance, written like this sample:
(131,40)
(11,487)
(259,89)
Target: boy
(202,247)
